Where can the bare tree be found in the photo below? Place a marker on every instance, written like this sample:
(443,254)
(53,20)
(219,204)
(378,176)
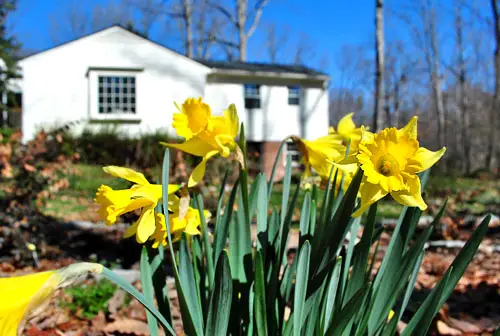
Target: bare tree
(77,20)
(463,117)
(240,19)
(276,42)
(433,60)
(379,70)
(496,97)
(304,50)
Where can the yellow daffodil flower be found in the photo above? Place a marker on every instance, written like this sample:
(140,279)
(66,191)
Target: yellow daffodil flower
(205,135)
(347,129)
(320,154)
(188,224)
(192,118)
(23,296)
(142,195)
(390,161)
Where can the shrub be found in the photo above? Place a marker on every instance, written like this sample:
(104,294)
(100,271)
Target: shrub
(88,300)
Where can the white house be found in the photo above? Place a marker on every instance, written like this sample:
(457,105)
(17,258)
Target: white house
(117,76)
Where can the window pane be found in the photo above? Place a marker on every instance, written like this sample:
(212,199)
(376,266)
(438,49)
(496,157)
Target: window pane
(116,94)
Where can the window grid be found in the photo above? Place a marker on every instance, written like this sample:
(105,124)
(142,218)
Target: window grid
(252,96)
(294,95)
(293,150)
(117,94)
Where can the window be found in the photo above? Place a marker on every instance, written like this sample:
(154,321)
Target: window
(293,150)
(252,96)
(117,94)
(294,95)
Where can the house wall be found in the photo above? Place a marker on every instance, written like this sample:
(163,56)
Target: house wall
(275,120)
(56,84)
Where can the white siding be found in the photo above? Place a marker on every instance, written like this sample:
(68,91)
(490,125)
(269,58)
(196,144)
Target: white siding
(56,87)
(275,120)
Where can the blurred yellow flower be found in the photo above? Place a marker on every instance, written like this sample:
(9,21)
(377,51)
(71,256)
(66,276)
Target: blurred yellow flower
(390,161)
(320,154)
(349,132)
(192,118)
(205,135)
(23,295)
(142,195)
(188,224)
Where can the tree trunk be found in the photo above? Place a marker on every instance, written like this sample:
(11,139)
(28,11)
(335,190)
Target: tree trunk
(379,72)
(435,72)
(188,18)
(241,8)
(496,98)
(462,112)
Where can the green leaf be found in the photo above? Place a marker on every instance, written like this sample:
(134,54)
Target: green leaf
(305,218)
(346,316)
(223,222)
(353,234)
(207,248)
(240,245)
(190,299)
(329,304)
(301,287)
(286,188)
(123,284)
(160,281)
(147,289)
(262,230)
(220,301)
(448,282)
(427,309)
(362,252)
(260,296)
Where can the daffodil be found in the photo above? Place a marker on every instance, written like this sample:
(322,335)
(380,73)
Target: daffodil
(22,296)
(142,195)
(347,129)
(205,135)
(320,154)
(391,160)
(179,224)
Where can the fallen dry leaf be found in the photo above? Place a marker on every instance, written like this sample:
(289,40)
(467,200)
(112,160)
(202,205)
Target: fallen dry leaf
(128,327)
(445,329)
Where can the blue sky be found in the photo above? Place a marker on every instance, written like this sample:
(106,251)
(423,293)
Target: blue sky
(328,24)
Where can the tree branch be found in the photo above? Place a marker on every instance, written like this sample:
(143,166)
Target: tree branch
(259,8)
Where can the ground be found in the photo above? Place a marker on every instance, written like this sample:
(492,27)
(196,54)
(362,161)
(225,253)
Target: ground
(473,308)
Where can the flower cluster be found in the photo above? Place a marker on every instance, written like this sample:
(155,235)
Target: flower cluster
(390,161)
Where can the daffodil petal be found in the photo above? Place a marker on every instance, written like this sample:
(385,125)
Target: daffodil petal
(370,193)
(413,197)
(410,129)
(194,146)
(346,124)
(146,225)
(232,120)
(427,158)
(199,170)
(127,174)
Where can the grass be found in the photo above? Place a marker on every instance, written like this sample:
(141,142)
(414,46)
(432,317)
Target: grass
(76,202)
(471,195)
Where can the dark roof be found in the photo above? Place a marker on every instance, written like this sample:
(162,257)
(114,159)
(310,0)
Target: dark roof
(225,65)
(262,67)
